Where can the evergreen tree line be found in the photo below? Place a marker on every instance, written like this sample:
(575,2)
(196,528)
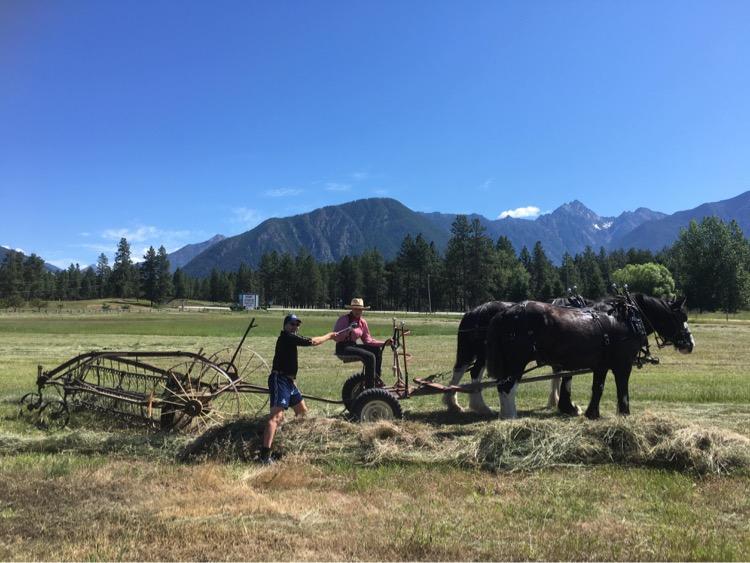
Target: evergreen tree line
(709,264)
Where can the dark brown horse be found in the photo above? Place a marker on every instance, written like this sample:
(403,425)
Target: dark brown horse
(571,339)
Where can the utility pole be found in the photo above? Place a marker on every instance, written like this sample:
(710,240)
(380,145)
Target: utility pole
(429,295)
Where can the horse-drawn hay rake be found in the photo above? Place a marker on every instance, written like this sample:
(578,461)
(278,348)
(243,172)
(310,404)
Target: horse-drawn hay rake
(164,390)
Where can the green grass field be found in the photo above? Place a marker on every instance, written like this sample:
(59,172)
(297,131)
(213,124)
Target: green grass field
(100,491)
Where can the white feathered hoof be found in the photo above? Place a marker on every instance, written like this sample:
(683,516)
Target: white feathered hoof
(570,410)
(477,404)
(554,393)
(450,401)
(552,401)
(508,404)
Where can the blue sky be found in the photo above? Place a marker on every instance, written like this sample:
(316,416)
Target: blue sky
(168,122)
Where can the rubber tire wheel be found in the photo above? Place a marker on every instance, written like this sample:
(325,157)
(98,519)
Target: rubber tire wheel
(376,404)
(353,388)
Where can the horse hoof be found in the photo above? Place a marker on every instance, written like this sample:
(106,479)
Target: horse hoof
(453,405)
(570,410)
(487,411)
(592,415)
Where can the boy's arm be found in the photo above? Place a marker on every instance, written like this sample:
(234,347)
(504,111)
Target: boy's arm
(317,340)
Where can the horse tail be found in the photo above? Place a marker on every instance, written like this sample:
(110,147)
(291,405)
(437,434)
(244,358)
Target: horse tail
(465,344)
(494,352)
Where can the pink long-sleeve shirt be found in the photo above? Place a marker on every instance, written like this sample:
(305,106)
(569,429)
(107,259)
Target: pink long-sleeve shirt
(361,331)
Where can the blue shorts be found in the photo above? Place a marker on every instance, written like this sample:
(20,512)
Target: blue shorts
(283,391)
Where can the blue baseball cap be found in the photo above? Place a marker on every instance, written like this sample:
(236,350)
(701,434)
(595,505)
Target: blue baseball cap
(292,319)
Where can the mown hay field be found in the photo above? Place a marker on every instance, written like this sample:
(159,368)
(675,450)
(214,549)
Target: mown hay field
(670,482)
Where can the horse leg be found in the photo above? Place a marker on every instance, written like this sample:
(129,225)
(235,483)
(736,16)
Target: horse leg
(507,391)
(554,393)
(622,377)
(566,405)
(449,399)
(597,388)
(476,401)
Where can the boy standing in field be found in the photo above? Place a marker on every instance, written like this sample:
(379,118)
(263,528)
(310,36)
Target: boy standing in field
(281,382)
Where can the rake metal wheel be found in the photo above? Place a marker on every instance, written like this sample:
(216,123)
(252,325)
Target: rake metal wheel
(53,415)
(195,397)
(45,414)
(248,366)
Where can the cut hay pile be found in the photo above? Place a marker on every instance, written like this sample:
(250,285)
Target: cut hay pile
(523,445)
(635,441)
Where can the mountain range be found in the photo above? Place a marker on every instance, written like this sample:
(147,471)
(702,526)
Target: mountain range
(332,232)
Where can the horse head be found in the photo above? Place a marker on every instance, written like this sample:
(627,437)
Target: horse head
(669,320)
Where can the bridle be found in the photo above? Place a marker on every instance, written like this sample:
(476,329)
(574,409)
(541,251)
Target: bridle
(681,338)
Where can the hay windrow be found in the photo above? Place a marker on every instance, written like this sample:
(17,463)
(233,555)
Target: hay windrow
(499,446)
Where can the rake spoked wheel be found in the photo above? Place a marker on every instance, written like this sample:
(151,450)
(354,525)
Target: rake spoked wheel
(197,396)
(53,415)
(249,367)
(46,414)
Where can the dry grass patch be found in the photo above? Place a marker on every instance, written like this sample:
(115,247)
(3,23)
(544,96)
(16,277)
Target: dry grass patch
(523,445)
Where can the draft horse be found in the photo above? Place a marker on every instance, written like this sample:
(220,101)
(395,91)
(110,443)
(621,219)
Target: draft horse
(571,339)
(470,353)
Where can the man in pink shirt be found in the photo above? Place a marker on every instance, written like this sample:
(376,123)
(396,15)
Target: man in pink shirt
(370,351)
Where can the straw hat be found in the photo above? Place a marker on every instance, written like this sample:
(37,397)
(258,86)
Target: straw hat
(357,303)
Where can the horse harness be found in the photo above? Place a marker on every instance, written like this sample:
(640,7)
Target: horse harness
(627,312)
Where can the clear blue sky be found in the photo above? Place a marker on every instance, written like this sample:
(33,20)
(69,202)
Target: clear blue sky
(168,122)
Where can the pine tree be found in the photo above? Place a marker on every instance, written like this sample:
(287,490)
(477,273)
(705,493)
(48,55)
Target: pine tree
(149,276)
(374,284)
(164,287)
(510,278)
(123,272)
(103,273)
(33,277)
(268,272)
(350,280)
(11,276)
(569,275)
(180,284)
(457,257)
(481,264)
(592,283)
(545,283)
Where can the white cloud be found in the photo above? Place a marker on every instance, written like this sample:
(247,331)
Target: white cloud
(145,233)
(380,191)
(484,186)
(359,176)
(246,217)
(21,250)
(138,234)
(283,192)
(337,187)
(106,248)
(521,212)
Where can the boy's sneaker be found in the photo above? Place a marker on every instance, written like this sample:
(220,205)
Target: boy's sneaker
(266,460)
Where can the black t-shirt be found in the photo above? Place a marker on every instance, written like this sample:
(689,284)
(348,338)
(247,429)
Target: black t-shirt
(285,356)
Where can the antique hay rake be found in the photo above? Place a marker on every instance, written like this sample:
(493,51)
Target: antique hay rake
(164,390)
